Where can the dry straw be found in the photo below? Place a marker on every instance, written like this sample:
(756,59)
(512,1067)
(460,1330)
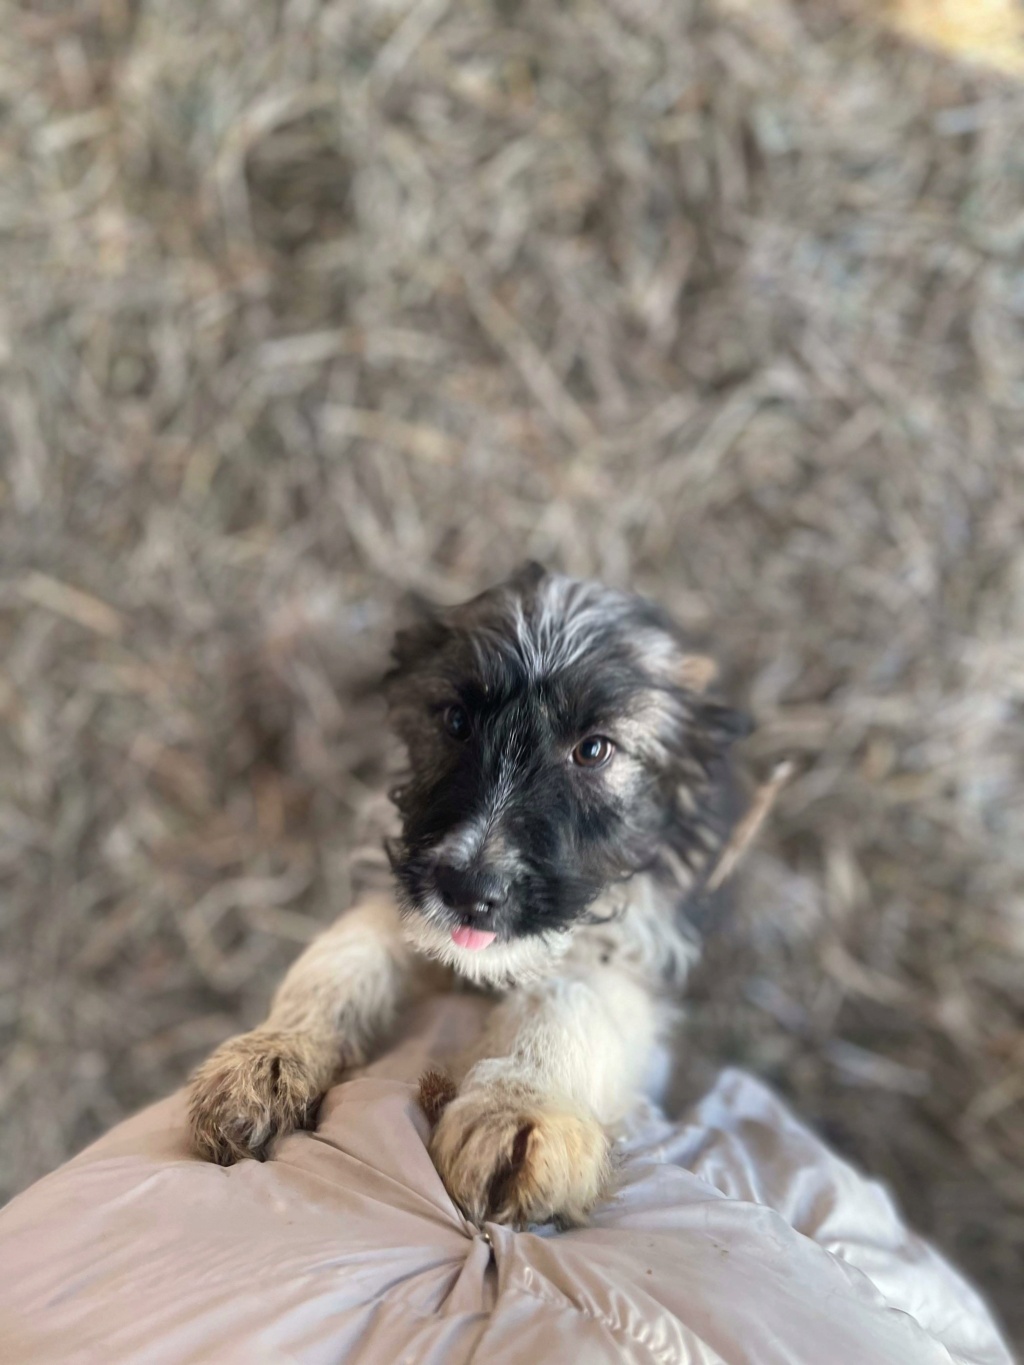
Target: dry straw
(307,303)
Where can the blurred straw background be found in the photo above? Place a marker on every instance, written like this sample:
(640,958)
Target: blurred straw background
(304,303)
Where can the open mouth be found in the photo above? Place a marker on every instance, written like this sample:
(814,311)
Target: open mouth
(473,939)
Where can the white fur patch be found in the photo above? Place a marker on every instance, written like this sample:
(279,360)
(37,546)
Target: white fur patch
(562,626)
(582,1039)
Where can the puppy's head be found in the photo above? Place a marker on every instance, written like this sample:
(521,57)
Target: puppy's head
(558,741)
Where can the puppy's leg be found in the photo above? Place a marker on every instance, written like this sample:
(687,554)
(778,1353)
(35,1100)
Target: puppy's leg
(337,995)
(525,1139)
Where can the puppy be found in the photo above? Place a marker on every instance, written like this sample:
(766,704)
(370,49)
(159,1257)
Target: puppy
(568,794)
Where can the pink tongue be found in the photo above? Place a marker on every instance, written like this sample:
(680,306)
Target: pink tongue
(473,939)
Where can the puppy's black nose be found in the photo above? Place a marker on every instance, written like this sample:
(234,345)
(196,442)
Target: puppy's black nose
(479,890)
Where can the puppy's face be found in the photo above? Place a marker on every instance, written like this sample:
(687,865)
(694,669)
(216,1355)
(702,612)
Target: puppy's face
(557,742)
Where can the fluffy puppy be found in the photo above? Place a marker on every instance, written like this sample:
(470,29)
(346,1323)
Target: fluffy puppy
(567,796)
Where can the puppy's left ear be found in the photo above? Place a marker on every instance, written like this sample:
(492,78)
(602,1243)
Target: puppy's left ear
(723,725)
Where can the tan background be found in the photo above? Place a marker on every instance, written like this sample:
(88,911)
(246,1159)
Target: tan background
(986,31)
(303,304)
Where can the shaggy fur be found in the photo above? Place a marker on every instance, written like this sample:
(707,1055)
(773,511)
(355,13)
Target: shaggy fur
(567,796)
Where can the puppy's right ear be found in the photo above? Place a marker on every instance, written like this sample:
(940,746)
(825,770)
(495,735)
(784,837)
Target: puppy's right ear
(722,724)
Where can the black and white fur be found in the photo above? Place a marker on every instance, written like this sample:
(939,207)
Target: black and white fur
(567,794)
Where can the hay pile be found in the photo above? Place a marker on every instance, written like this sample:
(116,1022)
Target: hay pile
(305,303)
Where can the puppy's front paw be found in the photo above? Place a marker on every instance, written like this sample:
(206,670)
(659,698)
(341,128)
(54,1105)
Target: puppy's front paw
(254,1088)
(518,1157)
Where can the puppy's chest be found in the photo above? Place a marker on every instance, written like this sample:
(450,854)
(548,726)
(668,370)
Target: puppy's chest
(642,934)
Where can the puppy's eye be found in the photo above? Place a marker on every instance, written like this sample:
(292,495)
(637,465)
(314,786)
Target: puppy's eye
(593,752)
(456,721)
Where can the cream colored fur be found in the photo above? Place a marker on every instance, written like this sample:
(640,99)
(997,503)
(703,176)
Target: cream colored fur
(566,1051)
(338,996)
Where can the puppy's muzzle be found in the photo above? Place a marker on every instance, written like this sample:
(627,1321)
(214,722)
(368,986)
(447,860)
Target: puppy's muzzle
(475,892)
